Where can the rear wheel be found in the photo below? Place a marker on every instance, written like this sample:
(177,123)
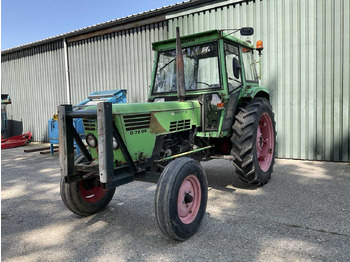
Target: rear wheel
(253,142)
(85,197)
(181,198)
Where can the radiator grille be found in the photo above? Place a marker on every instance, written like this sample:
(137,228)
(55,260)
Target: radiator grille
(89,124)
(180,125)
(134,122)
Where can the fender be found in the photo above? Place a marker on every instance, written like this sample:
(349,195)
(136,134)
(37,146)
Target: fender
(256,92)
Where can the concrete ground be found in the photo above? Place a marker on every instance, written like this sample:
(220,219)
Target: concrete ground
(302,214)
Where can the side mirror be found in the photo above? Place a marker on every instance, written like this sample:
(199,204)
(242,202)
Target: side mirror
(236,67)
(247,31)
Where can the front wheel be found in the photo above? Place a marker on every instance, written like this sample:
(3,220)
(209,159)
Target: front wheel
(85,197)
(253,142)
(181,198)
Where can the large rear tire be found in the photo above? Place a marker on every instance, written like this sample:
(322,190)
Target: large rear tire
(253,142)
(85,197)
(181,198)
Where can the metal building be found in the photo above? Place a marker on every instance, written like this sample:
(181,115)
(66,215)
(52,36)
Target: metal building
(306,66)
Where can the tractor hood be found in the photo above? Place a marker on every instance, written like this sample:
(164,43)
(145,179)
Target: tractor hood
(140,123)
(137,108)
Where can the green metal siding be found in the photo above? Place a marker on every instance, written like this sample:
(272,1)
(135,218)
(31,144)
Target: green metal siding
(121,60)
(306,66)
(35,80)
(35,77)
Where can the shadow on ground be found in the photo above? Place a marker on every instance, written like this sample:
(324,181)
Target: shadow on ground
(301,214)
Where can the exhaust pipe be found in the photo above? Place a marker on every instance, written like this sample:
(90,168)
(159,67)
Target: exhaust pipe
(180,73)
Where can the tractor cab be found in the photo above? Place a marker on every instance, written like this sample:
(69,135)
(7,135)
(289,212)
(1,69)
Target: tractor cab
(217,68)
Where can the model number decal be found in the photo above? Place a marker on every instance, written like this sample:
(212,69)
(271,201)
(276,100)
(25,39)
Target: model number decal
(136,132)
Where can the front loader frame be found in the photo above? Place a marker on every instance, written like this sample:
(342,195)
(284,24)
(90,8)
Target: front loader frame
(109,176)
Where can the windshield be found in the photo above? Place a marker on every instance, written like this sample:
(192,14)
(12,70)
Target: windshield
(200,65)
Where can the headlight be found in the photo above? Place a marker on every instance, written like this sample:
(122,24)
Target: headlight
(91,140)
(115,144)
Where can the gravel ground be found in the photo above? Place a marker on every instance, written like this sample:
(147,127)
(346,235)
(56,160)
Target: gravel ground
(302,214)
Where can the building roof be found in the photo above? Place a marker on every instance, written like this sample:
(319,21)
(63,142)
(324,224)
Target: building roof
(119,21)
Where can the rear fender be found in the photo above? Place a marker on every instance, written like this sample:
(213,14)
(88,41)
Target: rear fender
(257,92)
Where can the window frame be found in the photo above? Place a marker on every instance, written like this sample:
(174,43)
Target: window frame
(194,91)
(239,60)
(244,67)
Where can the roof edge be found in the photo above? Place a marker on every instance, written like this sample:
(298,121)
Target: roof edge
(105,25)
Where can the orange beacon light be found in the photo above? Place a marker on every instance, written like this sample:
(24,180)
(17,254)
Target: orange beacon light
(259,46)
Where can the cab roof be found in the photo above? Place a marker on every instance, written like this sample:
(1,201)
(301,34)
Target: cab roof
(199,38)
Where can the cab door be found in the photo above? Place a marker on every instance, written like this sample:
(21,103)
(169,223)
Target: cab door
(234,81)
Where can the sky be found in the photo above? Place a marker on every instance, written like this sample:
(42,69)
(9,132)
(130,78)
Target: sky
(25,21)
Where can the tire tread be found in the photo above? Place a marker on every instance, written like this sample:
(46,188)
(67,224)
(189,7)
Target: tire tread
(243,131)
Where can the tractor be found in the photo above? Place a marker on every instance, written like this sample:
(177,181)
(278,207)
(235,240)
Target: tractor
(204,102)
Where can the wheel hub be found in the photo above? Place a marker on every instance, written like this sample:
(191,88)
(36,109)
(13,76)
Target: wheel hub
(261,139)
(91,190)
(189,199)
(265,142)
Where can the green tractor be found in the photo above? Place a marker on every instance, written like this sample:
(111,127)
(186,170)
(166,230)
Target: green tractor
(204,102)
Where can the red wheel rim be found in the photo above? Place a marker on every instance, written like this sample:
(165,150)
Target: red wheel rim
(91,191)
(189,199)
(265,142)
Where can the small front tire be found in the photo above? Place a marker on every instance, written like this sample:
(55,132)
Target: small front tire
(181,198)
(85,197)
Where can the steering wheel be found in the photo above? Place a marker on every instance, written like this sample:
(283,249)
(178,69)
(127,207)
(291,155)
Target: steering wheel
(234,80)
(203,83)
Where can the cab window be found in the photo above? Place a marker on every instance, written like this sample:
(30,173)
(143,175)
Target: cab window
(232,58)
(249,65)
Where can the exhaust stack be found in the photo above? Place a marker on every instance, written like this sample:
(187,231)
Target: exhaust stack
(180,73)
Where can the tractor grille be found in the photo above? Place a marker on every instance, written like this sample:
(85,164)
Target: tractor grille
(134,122)
(180,125)
(89,124)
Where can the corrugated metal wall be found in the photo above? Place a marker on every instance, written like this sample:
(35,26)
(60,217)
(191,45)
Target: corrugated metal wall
(306,66)
(121,60)
(35,80)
